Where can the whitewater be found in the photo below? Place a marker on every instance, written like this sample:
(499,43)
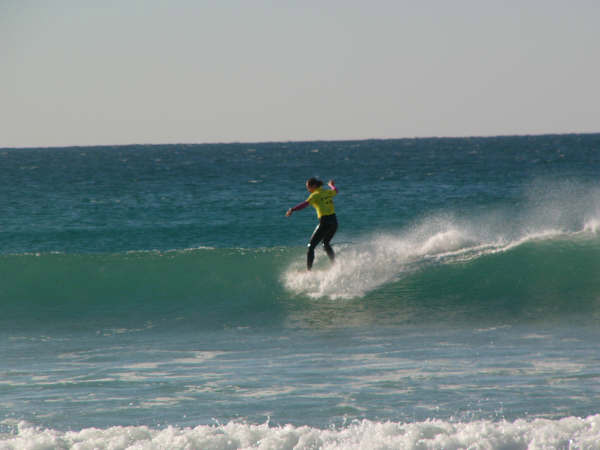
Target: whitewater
(434,434)
(156,297)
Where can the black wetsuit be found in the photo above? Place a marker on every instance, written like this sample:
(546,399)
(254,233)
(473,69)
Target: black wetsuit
(324,232)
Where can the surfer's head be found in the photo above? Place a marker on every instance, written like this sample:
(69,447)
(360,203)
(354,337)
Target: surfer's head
(313,183)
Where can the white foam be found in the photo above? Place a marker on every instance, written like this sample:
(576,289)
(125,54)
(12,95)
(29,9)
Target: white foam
(569,432)
(376,260)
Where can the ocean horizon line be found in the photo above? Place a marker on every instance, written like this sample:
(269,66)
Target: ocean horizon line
(307,141)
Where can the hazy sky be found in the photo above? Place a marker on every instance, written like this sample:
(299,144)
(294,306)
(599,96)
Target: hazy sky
(79,72)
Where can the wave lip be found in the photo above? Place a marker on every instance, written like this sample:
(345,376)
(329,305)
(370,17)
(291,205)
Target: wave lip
(569,432)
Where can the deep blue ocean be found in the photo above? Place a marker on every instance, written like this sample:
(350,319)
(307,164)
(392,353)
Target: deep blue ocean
(155,296)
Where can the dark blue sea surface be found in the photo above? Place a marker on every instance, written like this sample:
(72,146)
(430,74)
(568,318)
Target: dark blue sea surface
(155,295)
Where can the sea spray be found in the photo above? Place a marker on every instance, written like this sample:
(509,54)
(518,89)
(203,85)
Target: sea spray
(376,260)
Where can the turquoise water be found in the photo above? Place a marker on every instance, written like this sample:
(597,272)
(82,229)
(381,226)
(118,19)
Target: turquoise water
(154,296)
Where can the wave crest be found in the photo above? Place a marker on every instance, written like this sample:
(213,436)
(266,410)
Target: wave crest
(377,260)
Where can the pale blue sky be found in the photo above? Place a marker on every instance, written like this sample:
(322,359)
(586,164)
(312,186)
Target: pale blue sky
(79,72)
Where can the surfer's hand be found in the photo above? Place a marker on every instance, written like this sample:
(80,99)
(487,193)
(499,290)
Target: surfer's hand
(288,213)
(331,183)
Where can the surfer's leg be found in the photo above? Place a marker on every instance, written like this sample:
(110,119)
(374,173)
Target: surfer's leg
(329,251)
(310,257)
(316,237)
(331,229)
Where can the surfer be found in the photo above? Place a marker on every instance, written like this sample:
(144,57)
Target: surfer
(322,201)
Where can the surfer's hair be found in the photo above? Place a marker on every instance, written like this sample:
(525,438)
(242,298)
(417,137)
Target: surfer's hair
(313,182)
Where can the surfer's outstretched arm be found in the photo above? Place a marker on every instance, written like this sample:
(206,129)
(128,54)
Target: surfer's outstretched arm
(298,207)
